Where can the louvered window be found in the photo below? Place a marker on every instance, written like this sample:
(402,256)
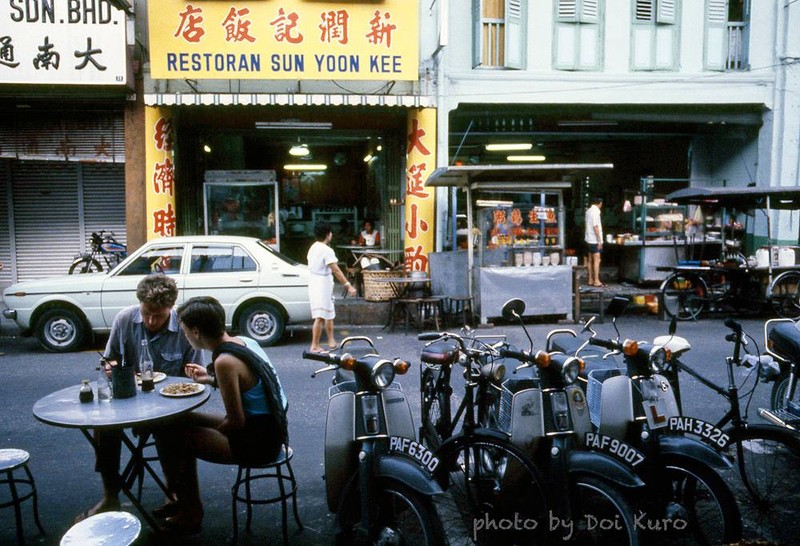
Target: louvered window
(578,35)
(655,31)
(500,33)
(725,44)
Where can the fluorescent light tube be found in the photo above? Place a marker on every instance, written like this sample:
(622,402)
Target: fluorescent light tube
(494,203)
(305,167)
(526,158)
(510,147)
(293,125)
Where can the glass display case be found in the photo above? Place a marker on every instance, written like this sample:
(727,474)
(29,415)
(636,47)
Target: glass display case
(658,221)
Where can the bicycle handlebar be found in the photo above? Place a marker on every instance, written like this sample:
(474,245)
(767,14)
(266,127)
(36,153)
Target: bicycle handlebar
(429,336)
(609,344)
(733,325)
(327,358)
(517,355)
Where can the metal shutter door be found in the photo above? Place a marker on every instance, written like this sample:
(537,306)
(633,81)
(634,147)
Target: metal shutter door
(47,228)
(5,237)
(103,200)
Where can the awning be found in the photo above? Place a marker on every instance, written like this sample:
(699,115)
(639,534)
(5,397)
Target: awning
(284,99)
(739,198)
(505,176)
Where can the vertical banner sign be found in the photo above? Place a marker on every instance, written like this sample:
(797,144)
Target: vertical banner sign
(160,173)
(420,201)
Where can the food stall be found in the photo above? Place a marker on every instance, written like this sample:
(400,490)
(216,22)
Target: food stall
(516,249)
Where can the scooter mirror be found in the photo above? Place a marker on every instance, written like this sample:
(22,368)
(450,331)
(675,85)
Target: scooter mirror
(617,306)
(513,308)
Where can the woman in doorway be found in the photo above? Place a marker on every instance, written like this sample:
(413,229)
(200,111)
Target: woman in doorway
(323,266)
(369,236)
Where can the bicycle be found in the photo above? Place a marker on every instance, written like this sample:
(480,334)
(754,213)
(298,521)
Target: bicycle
(105,246)
(767,457)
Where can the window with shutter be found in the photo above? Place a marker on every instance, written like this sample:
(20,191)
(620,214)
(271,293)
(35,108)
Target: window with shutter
(726,35)
(654,40)
(500,33)
(578,35)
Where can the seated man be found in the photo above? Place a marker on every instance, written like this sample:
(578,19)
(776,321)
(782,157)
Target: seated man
(155,319)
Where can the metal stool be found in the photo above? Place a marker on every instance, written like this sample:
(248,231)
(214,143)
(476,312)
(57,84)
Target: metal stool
(278,466)
(459,306)
(429,311)
(106,529)
(408,307)
(10,460)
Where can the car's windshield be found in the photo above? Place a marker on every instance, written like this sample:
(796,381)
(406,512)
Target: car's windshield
(278,254)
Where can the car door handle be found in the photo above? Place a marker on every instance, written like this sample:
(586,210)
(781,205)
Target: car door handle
(245,280)
(289,275)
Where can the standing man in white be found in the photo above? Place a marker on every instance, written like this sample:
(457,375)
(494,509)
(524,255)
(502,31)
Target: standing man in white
(593,237)
(323,266)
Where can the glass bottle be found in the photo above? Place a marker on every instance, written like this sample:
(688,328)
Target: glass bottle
(146,368)
(103,384)
(85,394)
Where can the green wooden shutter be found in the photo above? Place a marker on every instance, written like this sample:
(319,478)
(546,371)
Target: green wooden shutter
(715,43)
(516,34)
(644,10)
(666,12)
(477,34)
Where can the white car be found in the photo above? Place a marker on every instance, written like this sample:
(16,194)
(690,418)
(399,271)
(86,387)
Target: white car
(260,289)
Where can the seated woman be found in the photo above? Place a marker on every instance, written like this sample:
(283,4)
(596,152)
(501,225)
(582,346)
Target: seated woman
(369,236)
(253,429)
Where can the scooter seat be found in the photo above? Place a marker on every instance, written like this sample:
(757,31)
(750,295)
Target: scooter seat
(440,353)
(676,344)
(785,338)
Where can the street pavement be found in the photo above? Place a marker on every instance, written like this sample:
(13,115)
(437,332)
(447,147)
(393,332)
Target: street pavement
(62,460)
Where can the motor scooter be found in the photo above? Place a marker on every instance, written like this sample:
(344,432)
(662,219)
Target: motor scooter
(640,408)
(377,477)
(546,415)
(782,342)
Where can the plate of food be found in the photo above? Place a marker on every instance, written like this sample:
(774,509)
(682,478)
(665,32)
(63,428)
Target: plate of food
(178,390)
(158,377)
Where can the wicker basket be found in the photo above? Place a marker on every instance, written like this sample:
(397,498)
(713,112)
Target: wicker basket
(378,291)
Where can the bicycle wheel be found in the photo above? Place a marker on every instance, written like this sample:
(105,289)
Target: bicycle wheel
(85,265)
(494,494)
(698,509)
(768,460)
(785,295)
(432,426)
(684,295)
(601,515)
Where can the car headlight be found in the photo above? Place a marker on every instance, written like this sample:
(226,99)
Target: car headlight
(382,373)
(570,370)
(658,358)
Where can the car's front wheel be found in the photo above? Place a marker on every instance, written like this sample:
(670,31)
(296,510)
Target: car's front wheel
(61,330)
(262,322)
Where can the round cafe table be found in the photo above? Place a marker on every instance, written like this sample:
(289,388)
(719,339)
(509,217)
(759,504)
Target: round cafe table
(145,410)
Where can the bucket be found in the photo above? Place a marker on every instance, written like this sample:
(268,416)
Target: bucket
(518,259)
(762,257)
(785,256)
(536,258)
(528,257)
(554,258)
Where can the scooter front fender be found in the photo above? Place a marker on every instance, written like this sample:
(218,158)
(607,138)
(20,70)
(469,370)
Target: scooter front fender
(693,449)
(409,473)
(603,467)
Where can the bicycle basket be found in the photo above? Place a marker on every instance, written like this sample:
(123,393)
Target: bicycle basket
(520,414)
(594,392)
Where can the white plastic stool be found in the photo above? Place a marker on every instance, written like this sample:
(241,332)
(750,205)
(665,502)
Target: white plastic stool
(106,528)
(11,460)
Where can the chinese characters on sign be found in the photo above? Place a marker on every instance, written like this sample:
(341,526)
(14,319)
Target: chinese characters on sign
(420,202)
(62,42)
(160,191)
(286,39)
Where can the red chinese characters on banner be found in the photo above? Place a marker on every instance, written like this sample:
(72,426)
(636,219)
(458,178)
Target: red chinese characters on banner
(285,27)
(414,180)
(415,139)
(499,217)
(164,178)
(164,221)
(516,217)
(163,134)
(237,26)
(380,29)
(191,24)
(334,26)
(415,223)
(415,258)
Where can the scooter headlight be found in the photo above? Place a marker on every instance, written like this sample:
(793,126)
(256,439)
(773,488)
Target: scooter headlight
(382,373)
(658,358)
(571,369)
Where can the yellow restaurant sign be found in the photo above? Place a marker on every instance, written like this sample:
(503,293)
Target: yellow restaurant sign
(284,39)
